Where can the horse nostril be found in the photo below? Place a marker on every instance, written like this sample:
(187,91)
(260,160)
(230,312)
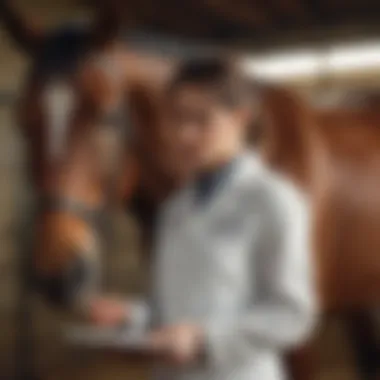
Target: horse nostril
(63,289)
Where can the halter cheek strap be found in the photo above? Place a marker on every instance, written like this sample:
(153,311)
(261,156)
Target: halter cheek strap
(90,214)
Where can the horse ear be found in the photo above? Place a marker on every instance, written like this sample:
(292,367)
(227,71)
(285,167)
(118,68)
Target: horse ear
(27,37)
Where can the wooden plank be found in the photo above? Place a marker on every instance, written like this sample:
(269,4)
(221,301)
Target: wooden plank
(7,98)
(242,12)
(313,37)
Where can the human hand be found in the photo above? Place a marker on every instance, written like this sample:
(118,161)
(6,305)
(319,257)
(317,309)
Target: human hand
(108,311)
(178,345)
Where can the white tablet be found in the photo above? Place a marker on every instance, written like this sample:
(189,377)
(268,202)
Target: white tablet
(119,338)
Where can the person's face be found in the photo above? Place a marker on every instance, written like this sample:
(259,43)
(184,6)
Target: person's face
(202,131)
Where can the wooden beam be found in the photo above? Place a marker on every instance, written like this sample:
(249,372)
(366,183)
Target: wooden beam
(318,10)
(294,10)
(186,18)
(7,98)
(245,13)
(316,36)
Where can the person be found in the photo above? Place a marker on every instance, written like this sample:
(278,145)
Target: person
(232,283)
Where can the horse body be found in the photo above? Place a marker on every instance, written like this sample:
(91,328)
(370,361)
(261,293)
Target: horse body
(349,216)
(333,154)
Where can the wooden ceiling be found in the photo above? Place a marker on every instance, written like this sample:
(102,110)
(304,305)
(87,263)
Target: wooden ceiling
(257,21)
(258,24)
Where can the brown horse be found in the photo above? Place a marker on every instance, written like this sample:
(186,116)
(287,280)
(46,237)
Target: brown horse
(333,153)
(327,153)
(70,113)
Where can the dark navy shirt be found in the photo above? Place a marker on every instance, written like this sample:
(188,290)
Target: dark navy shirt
(207,184)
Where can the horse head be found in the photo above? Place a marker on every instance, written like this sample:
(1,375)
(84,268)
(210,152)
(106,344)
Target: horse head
(71,115)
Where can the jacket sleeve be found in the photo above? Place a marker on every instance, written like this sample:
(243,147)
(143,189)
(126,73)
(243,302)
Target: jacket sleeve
(284,312)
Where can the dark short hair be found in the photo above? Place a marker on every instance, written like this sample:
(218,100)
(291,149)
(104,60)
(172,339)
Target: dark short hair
(228,84)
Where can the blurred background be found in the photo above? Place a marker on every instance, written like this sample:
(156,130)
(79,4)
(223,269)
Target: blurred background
(323,48)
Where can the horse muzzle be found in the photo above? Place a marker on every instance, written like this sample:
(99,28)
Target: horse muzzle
(72,287)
